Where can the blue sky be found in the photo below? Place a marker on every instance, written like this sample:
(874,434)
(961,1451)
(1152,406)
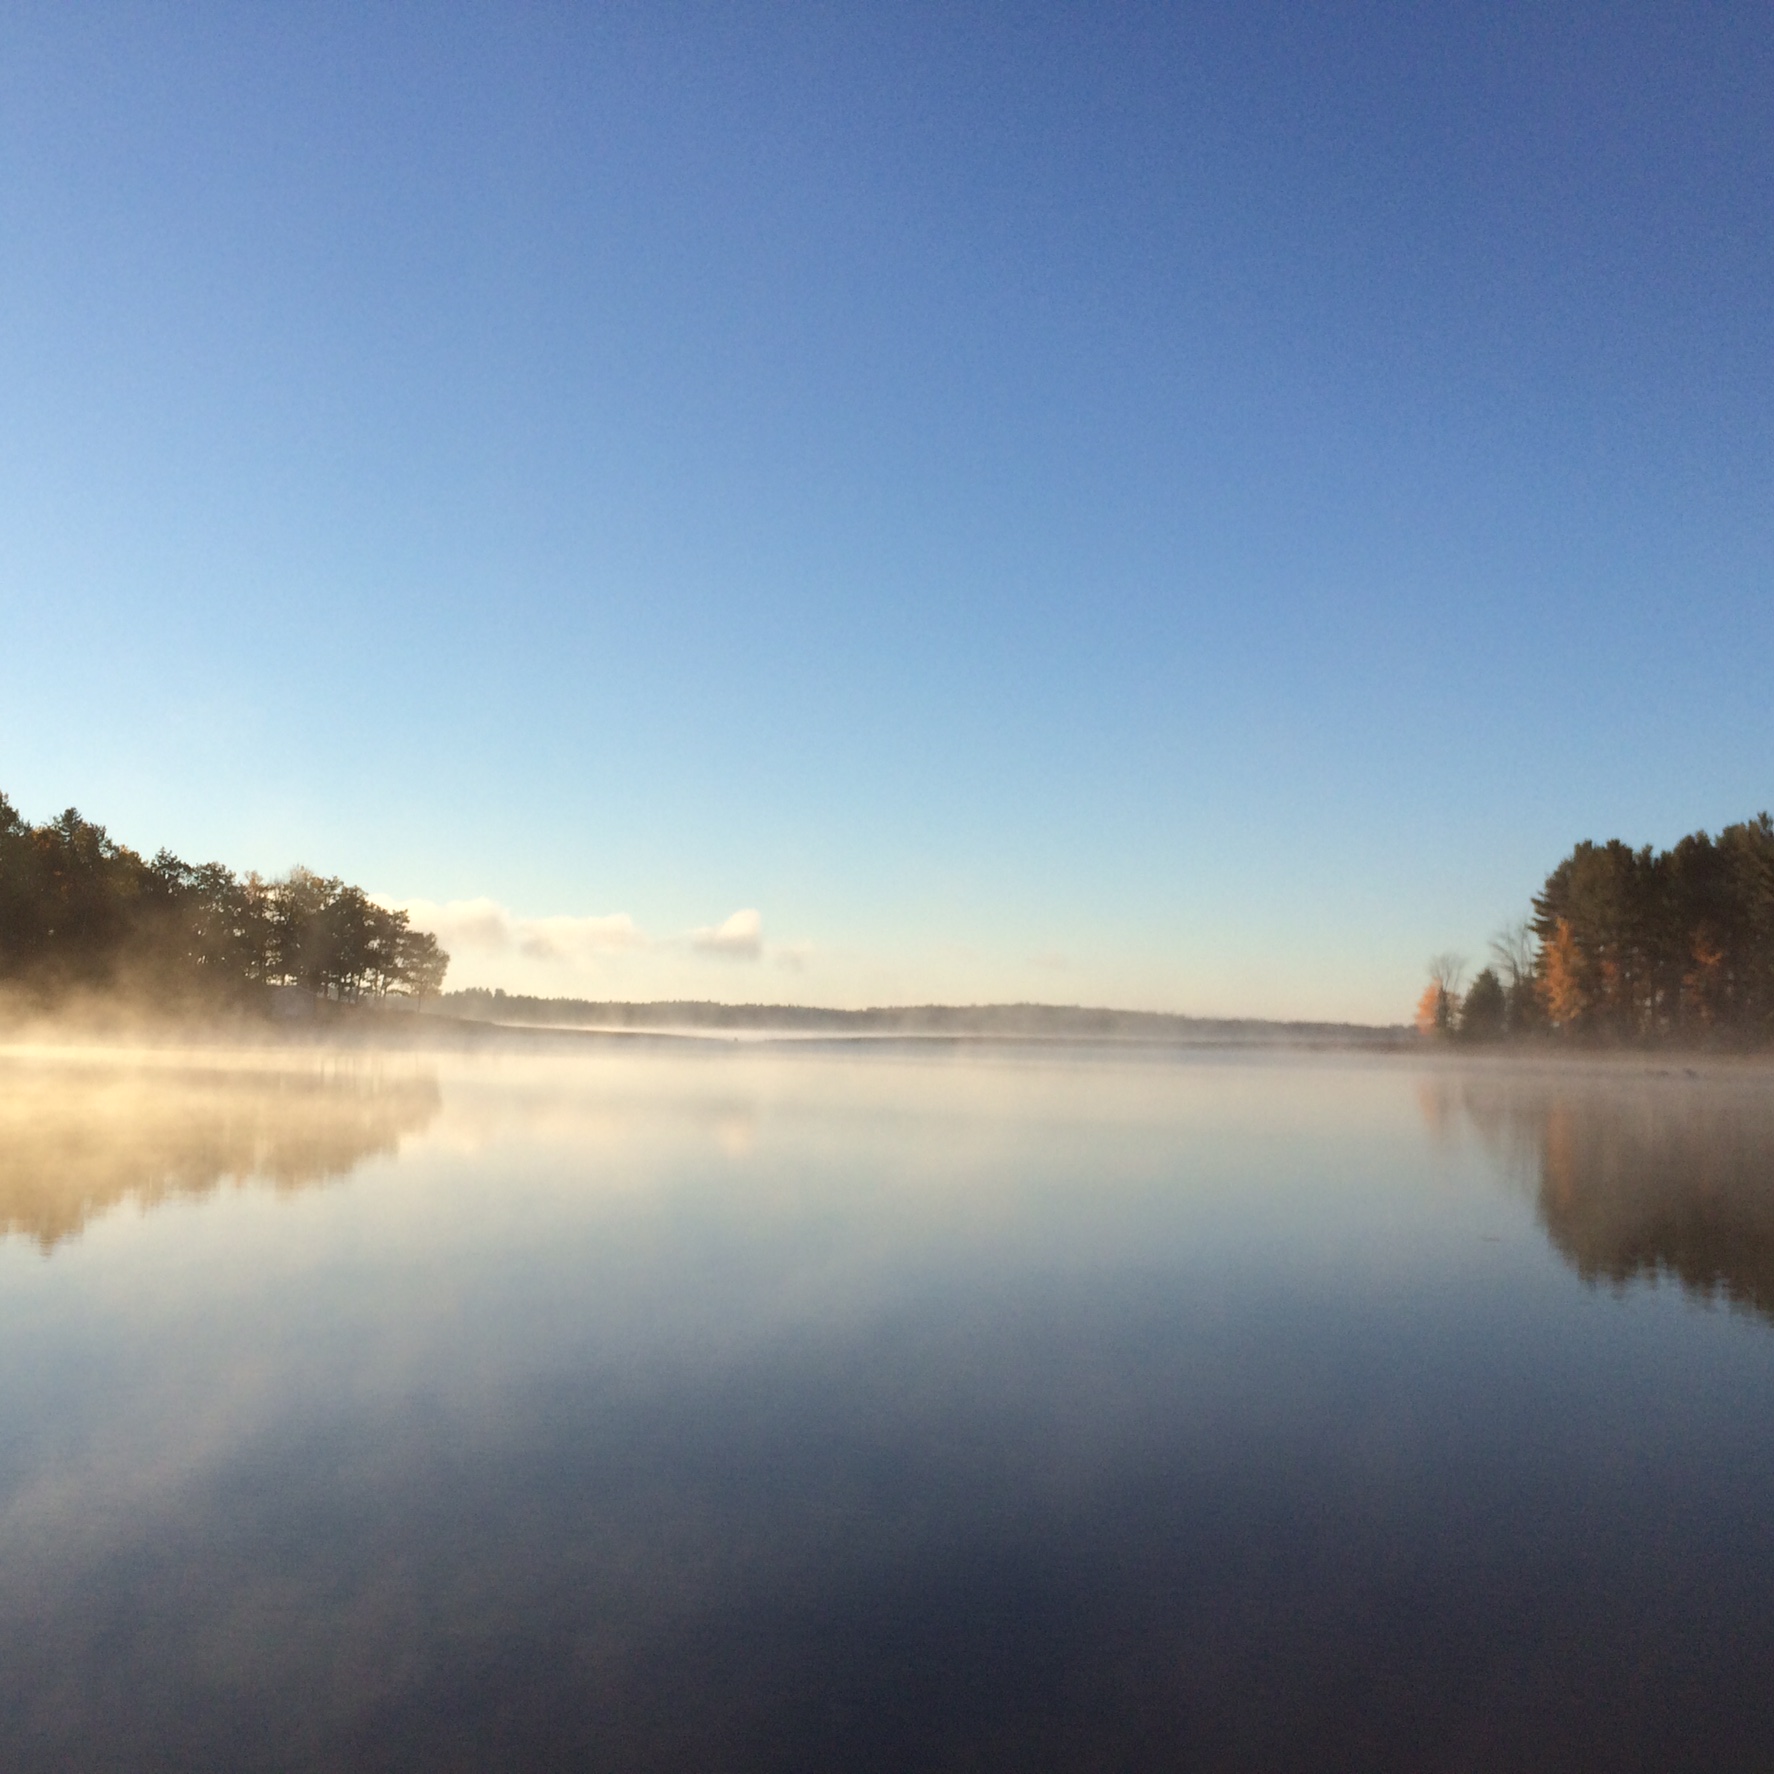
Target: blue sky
(1194,508)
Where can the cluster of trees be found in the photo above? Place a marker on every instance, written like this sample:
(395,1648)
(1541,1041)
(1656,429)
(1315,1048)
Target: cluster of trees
(78,909)
(1630,945)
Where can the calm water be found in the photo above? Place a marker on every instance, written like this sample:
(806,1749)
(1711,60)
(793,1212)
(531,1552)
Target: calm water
(833,1410)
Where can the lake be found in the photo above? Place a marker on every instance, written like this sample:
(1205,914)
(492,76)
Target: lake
(652,1405)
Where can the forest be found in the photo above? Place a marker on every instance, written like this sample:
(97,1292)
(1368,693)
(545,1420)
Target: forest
(79,910)
(1627,945)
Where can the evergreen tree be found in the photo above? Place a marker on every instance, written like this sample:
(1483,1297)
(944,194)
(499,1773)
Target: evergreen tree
(1665,945)
(1484,1013)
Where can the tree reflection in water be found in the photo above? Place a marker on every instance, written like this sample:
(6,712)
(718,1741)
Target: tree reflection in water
(1664,1174)
(79,1135)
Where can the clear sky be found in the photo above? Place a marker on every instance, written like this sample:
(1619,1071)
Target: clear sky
(1181,507)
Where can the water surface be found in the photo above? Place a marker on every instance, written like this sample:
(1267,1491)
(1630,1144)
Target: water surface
(692,1407)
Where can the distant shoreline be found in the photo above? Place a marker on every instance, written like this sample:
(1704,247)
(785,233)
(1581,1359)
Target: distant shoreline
(342,1030)
(476,1019)
(471,1022)
(1023,1022)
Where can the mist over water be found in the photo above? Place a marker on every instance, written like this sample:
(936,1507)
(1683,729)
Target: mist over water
(984,1407)
(81,1133)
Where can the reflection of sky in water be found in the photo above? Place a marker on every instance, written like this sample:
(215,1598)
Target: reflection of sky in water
(746,1409)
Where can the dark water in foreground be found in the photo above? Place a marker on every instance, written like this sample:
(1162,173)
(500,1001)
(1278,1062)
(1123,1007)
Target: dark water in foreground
(750,1409)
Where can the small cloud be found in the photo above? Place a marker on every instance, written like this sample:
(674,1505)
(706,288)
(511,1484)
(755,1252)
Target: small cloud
(740,938)
(791,957)
(1052,960)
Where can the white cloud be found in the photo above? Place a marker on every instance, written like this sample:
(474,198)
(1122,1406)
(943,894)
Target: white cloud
(483,926)
(741,937)
(564,938)
(607,954)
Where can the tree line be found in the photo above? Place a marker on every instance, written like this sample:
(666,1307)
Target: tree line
(78,909)
(1630,946)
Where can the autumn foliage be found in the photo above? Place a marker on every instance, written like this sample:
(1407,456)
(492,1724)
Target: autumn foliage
(1642,945)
